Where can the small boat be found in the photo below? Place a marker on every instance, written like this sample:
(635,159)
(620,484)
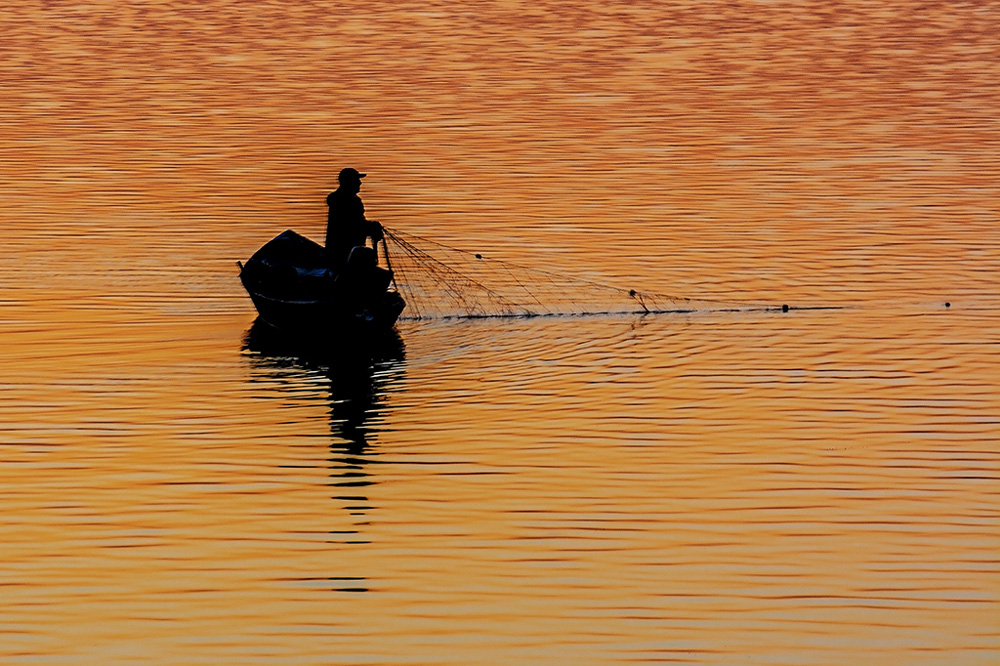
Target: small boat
(294,289)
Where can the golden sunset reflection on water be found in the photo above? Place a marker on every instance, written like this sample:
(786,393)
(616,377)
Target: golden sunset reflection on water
(718,486)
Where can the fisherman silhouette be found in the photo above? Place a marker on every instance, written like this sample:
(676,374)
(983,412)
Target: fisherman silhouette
(346,226)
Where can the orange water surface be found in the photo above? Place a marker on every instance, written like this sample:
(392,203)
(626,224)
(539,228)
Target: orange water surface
(723,485)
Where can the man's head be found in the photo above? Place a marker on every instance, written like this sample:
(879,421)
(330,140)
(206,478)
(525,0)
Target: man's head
(350,175)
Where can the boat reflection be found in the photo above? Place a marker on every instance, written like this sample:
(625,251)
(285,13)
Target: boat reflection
(358,377)
(359,373)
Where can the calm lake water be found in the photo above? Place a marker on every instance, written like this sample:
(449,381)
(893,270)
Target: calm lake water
(721,486)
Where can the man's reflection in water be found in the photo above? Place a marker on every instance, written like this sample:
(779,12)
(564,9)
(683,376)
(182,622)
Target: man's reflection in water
(359,378)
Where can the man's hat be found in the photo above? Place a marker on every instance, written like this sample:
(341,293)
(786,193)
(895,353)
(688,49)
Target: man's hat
(350,174)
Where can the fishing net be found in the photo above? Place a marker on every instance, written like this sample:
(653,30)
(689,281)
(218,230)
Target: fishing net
(439,282)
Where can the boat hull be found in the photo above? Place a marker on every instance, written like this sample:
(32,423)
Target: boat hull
(293,290)
(327,316)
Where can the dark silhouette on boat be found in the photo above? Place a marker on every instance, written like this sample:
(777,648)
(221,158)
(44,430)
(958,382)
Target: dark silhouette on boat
(295,288)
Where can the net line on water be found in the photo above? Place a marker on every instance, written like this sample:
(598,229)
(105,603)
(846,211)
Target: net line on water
(443,282)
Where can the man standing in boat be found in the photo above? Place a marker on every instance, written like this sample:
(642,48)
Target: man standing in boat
(346,226)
